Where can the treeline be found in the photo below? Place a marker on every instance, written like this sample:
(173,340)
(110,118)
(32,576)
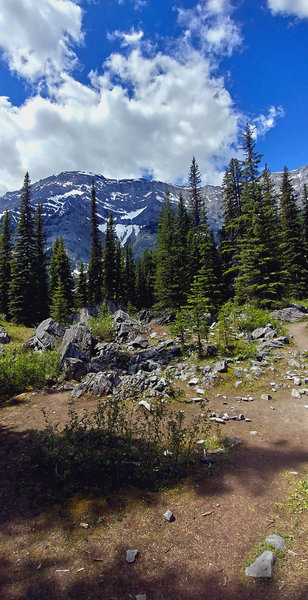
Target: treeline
(261,257)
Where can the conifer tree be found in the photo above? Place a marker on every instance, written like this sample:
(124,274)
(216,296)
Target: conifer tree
(182,276)
(291,246)
(166,266)
(95,263)
(195,197)
(5,263)
(59,309)
(81,291)
(119,277)
(129,280)
(304,216)
(145,279)
(231,230)
(109,283)
(40,290)
(22,284)
(60,270)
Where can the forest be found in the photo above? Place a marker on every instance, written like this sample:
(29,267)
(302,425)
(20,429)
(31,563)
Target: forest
(260,259)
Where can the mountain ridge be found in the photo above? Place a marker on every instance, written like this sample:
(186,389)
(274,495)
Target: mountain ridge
(135,204)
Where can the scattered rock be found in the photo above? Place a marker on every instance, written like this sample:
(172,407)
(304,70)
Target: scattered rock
(277,541)
(297,381)
(169,516)
(99,384)
(220,367)
(295,393)
(266,397)
(288,315)
(146,405)
(141,597)
(4,336)
(131,555)
(77,343)
(46,334)
(84,525)
(193,381)
(262,566)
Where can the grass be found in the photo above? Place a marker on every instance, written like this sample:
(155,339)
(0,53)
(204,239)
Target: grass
(18,333)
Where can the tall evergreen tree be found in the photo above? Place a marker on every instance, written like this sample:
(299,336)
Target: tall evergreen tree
(95,263)
(5,263)
(195,196)
(109,283)
(166,266)
(304,216)
(59,309)
(291,246)
(21,298)
(145,279)
(231,230)
(40,290)
(129,281)
(182,276)
(60,276)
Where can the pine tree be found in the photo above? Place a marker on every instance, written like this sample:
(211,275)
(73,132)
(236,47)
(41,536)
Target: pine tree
(291,246)
(95,263)
(166,266)
(182,276)
(109,283)
(40,290)
(304,217)
(129,280)
(145,279)
(5,263)
(60,270)
(21,298)
(231,230)
(59,309)
(81,291)
(195,197)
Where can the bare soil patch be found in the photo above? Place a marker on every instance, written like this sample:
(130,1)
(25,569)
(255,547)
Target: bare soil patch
(221,512)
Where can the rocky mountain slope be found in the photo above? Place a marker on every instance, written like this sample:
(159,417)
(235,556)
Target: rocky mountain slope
(135,204)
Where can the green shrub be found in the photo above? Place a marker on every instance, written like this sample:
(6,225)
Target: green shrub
(102,325)
(21,369)
(119,444)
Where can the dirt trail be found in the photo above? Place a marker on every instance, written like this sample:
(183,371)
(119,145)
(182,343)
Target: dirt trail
(220,515)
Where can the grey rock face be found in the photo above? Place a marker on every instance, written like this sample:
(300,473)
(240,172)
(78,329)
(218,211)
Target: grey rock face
(46,334)
(220,367)
(262,566)
(4,336)
(98,384)
(289,315)
(77,343)
(131,555)
(74,368)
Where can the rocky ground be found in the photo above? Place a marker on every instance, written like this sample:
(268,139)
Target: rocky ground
(223,512)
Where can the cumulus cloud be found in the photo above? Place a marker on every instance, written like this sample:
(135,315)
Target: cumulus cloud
(128,39)
(263,123)
(210,23)
(36,37)
(297,8)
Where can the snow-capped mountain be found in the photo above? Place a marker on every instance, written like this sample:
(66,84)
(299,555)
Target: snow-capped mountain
(135,204)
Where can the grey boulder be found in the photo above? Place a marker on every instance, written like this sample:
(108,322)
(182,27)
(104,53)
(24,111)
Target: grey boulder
(262,566)
(77,343)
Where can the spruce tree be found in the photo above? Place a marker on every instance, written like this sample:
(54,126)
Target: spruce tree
(129,279)
(291,246)
(182,276)
(40,290)
(95,263)
(59,309)
(109,282)
(22,284)
(195,196)
(231,230)
(5,263)
(145,279)
(166,266)
(60,271)
(304,217)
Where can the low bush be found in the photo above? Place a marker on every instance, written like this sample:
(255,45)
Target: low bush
(102,325)
(117,445)
(21,369)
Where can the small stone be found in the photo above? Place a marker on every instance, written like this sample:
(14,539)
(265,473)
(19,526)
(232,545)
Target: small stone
(248,420)
(217,420)
(84,525)
(237,383)
(294,363)
(131,555)
(262,566)
(241,417)
(199,391)
(305,405)
(194,400)
(276,540)
(253,433)
(266,397)
(141,597)
(193,381)
(145,405)
(169,516)
(295,393)
(296,381)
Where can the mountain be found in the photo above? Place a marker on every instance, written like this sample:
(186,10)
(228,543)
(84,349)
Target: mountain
(135,204)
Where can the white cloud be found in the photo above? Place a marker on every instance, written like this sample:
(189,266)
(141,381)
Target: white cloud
(211,24)
(173,111)
(297,8)
(263,123)
(128,39)
(36,36)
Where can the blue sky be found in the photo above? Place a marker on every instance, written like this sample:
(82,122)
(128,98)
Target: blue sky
(133,87)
